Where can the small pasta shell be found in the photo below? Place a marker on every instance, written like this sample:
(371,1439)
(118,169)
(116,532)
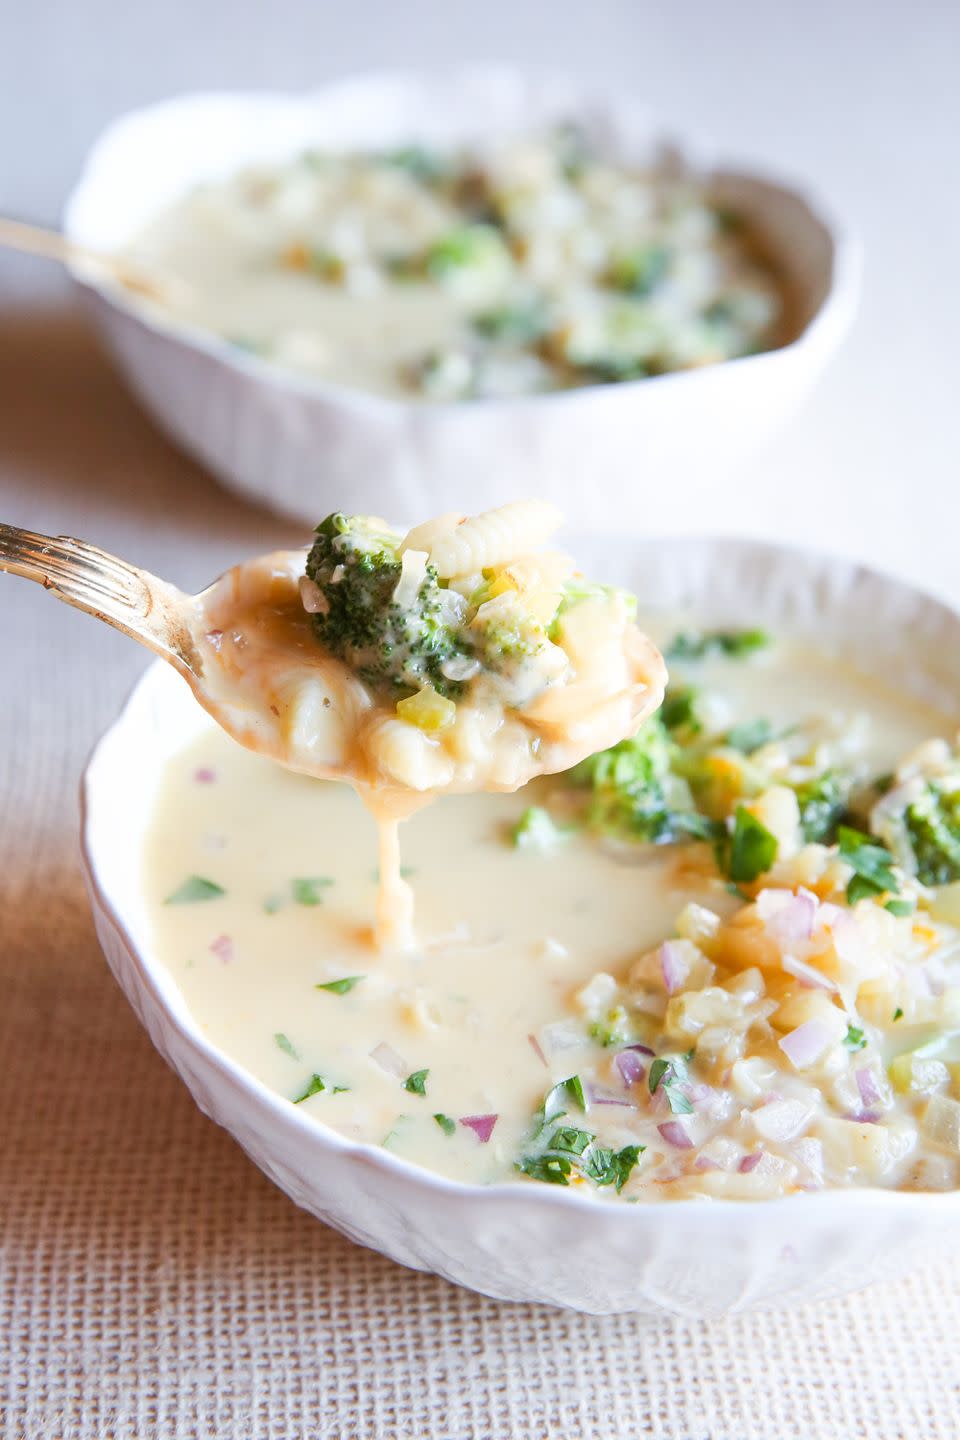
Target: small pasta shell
(494,537)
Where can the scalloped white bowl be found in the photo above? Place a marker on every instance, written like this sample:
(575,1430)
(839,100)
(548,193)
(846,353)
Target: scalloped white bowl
(304,446)
(523,1241)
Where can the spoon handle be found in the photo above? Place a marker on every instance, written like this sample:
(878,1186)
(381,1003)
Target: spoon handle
(51,245)
(131,600)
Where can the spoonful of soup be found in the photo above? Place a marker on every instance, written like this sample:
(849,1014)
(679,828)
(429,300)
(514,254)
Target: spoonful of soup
(461,656)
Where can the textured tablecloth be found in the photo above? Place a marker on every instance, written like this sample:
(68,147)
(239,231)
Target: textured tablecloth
(152,1281)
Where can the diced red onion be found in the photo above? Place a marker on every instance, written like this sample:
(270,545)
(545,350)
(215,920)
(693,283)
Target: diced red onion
(696,1092)
(673,966)
(830,914)
(222,947)
(387,1058)
(704,1162)
(868,1087)
(675,1134)
(750,1162)
(598,1096)
(204,776)
(481,1125)
(791,921)
(808,975)
(640,1049)
(562,1035)
(864,1117)
(535,1047)
(806,1043)
(630,1067)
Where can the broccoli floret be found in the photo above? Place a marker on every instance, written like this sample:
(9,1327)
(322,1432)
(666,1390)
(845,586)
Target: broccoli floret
(634,792)
(356,569)
(933,825)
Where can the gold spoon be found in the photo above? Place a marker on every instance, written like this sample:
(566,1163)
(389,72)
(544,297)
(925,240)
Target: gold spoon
(51,245)
(246,648)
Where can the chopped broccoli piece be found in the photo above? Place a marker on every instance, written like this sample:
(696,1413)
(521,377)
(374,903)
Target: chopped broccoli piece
(639,272)
(356,569)
(521,324)
(535,830)
(933,825)
(823,805)
(696,644)
(634,793)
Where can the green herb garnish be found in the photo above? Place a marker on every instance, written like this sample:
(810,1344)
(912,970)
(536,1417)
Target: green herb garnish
(900,907)
(194,889)
(872,865)
(669,1073)
(898,1013)
(447,1125)
(696,644)
(286,1045)
(855,1038)
(341,987)
(751,849)
(317,1086)
(417,1082)
(308,889)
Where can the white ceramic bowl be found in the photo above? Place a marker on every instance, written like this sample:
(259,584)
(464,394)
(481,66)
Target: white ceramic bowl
(304,446)
(524,1241)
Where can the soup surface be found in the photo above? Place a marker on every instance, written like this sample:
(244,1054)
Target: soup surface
(717,961)
(539,266)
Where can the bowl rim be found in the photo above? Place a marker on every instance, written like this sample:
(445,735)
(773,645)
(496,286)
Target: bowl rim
(825,326)
(315,1133)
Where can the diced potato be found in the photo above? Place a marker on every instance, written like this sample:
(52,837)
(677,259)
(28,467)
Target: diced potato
(697,923)
(778,810)
(427,710)
(911,1074)
(687,1015)
(803,1005)
(940,1122)
(858,1151)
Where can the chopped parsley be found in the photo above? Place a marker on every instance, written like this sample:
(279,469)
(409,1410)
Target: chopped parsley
(669,1073)
(750,849)
(194,889)
(417,1082)
(341,987)
(855,1038)
(308,889)
(900,907)
(898,1013)
(696,644)
(318,1086)
(872,865)
(679,710)
(286,1045)
(447,1125)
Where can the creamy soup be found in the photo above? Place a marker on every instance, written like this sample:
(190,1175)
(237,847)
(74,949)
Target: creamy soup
(537,266)
(718,960)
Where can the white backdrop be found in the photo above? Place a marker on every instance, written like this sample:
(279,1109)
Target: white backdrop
(862,96)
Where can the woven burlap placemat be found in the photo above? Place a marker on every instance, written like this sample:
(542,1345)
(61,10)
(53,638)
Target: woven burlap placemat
(152,1281)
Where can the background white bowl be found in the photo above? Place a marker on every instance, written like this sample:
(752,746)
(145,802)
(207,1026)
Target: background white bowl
(524,1241)
(656,447)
